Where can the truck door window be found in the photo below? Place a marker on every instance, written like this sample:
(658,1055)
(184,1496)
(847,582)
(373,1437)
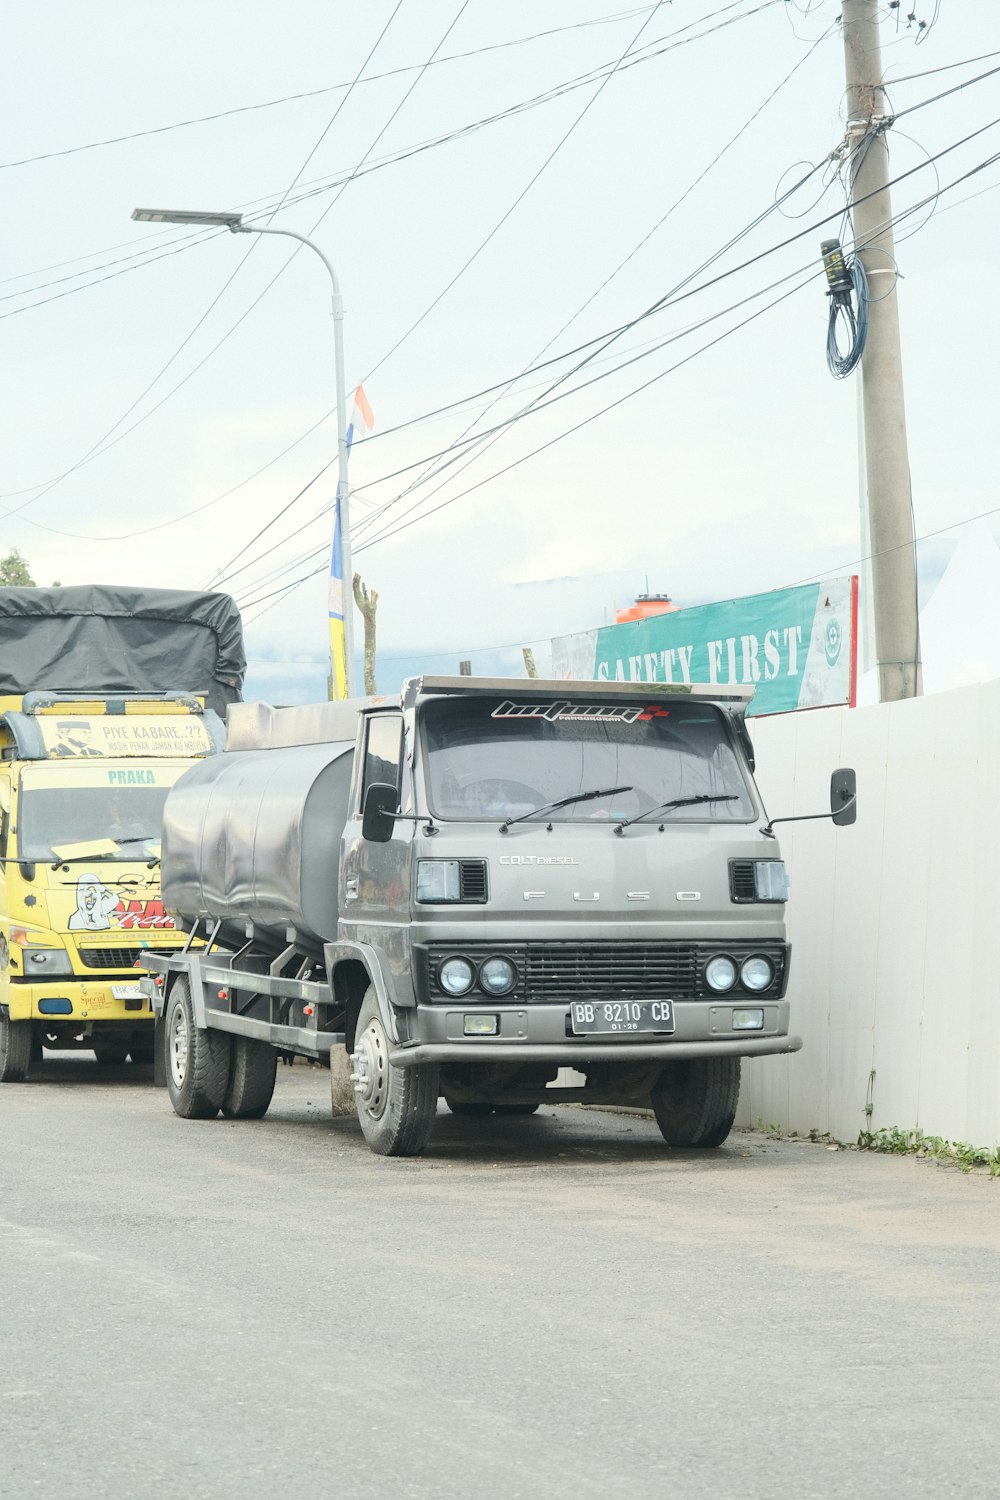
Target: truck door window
(382,751)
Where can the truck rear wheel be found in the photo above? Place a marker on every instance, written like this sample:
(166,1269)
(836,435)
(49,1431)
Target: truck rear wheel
(251,1079)
(197,1061)
(396,1106)
(695,1101)
(15,1050)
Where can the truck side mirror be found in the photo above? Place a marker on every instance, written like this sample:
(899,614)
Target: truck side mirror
(379,816)
(844,797)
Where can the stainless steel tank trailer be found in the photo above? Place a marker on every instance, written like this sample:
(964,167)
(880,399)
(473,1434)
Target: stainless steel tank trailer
(473,887)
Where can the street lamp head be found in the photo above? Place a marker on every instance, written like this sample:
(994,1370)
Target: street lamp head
(186,216)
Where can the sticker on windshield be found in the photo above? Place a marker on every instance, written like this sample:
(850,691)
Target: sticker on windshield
(575,712)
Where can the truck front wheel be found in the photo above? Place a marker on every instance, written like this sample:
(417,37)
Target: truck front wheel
(396,1106)
(197,1061)
(15,1049)
(695,1101)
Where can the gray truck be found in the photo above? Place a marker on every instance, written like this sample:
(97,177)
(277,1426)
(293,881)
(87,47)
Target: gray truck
(499,892)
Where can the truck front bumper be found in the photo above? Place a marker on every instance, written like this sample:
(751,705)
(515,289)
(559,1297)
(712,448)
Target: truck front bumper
(538,1033)
(79,1001)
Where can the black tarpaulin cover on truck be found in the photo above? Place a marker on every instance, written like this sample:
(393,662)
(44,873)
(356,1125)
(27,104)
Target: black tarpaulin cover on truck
(102,638)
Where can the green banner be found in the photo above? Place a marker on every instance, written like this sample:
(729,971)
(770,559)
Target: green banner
(796,647)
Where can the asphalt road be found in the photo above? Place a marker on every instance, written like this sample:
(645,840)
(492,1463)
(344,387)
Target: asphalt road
(552,1307)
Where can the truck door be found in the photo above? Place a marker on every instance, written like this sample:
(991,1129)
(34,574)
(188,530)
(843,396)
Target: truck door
(376,896)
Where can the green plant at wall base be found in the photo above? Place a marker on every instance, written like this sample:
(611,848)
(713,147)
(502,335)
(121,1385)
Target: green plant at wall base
(897,1142)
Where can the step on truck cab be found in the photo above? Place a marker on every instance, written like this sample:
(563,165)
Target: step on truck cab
(473,889)
(82,788)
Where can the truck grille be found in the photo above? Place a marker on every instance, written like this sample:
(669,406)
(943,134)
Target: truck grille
(572,971)
(555,970)
(112,958)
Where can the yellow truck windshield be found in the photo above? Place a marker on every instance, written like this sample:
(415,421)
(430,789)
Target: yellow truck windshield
(111,811)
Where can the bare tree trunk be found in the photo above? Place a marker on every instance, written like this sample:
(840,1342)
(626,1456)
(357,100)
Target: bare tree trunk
(529,661)
(367,603)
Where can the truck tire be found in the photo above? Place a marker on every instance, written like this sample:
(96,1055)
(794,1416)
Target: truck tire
(111,1052)
(695,1101)
(396,1106)
(197,1061)
(15,1050)
(251,1079)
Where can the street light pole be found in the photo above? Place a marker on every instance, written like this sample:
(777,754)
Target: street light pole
(234,223)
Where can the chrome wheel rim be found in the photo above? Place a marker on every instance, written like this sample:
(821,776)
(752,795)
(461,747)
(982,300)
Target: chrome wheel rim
(177,1045)
(371,1070)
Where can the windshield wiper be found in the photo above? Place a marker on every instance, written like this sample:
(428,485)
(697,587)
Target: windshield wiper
(677,802)
(608,791)
(142,838)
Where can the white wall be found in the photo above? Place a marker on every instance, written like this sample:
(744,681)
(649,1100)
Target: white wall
(894,923)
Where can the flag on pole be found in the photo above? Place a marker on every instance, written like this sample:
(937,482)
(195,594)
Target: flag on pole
(338,642)
(362,422)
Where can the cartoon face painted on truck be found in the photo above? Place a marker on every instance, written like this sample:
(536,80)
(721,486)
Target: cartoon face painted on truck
(94,905)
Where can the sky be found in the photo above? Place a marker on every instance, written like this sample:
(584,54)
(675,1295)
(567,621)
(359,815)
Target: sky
(169,393)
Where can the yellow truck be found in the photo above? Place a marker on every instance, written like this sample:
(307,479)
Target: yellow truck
(82,788)
(137,682)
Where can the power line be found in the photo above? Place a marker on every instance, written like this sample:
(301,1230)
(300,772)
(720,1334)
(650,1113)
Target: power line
(672,299)
(428,474)
(516,645)
(102,443)
(584,422)
(326,185)
(59,531)
(242,109)
(613,333)
(945,68)
(266,205)
(522,195)
(648,312)
(609,72)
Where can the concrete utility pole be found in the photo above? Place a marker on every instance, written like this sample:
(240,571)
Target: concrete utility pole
(890,517)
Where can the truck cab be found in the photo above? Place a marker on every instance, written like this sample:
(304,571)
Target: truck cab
(82,787)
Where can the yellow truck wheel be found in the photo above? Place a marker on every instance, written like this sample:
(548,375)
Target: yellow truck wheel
(15,1050)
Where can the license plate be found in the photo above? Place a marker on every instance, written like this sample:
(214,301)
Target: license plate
(621,1016)
(127,992)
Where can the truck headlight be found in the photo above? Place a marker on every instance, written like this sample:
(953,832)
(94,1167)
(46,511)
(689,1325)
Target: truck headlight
(497,976)
(456,976)
(770,880)
(438,880)
(720,973)
(756,973)
(46,963)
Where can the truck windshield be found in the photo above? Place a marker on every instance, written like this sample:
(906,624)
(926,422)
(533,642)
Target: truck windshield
(54,813)
(492,758)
